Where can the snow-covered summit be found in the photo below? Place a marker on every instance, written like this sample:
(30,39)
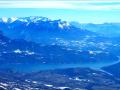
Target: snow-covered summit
(4,19)
(36,20)
(8,20)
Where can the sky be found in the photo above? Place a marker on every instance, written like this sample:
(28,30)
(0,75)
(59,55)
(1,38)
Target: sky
(83,11)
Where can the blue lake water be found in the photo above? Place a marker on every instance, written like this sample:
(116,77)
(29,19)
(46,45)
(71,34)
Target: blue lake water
(27,68)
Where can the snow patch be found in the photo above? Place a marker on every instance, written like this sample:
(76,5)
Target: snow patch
(62,88)
(27,80)
(13,19)
(4,19)
(18,51)
(3,87)
(48,85)
(34,82)
(60,26)
(29,53)
(4,84)
(84,80)
(91,52)
(23,20)
(17,89)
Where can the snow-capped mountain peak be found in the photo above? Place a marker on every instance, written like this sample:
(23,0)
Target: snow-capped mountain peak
(37,20)
(25,19)
(63,24)
(33,19)
(4,19)
(12,19)
(8,20)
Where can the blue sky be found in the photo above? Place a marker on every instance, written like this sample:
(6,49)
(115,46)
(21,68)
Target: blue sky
(88,11)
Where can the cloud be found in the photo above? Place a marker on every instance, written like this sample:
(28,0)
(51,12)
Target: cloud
(35,4)
(63,4)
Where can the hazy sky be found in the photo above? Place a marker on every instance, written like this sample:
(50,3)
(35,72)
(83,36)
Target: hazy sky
(86,11)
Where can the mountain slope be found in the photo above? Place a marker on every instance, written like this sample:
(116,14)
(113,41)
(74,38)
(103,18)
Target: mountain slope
(106,29)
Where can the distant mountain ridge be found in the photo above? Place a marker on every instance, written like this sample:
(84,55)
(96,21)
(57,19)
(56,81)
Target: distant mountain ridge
(105,29)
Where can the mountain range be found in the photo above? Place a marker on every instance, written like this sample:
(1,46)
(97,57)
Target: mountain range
(39,43)
(106,29)
(52,41)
